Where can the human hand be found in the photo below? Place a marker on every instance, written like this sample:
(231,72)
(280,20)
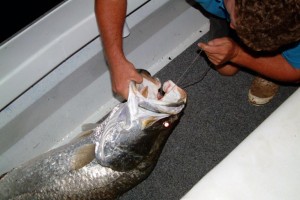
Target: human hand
(220,50)
(121,76)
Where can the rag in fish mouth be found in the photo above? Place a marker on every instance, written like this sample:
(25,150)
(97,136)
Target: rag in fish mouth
(107,161)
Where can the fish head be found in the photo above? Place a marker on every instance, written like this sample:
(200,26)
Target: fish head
(141,125)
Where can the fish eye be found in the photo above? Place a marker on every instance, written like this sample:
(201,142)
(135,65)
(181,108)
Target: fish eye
(166,124)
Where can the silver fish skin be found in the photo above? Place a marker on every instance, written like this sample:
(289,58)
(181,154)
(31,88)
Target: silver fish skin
(109,160)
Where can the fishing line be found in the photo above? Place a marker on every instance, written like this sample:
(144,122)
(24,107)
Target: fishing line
(188,69)
(183,74)
(202,77)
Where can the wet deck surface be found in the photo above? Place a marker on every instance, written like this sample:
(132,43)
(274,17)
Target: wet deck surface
(217,118)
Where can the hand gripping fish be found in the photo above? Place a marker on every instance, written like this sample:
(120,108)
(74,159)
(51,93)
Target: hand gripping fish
(107,161)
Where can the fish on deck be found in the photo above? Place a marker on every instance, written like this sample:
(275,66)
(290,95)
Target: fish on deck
(107,161)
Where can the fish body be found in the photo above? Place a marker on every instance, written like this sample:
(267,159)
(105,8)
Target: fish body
(105,162)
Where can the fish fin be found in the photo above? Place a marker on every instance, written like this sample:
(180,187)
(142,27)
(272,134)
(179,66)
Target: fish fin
(83,156)
(89,126)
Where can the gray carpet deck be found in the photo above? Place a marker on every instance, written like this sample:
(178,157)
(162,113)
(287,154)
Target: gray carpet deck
(217,118)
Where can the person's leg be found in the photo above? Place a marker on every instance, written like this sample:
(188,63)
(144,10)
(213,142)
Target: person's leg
(227,69)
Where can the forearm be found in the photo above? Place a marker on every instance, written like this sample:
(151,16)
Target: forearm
(222,50)
(275,66)
(110,15)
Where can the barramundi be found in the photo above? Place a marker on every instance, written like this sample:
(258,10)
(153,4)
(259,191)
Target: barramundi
(110,159)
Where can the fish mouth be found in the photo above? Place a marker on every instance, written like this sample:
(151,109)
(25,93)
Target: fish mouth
(168,93)
(151,101)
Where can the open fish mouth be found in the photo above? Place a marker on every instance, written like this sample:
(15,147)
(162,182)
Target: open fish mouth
(166,98)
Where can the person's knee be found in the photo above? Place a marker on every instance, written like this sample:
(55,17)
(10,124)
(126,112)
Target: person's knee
(227,69)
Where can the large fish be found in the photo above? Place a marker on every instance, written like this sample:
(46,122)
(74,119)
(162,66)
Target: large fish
(107,161)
